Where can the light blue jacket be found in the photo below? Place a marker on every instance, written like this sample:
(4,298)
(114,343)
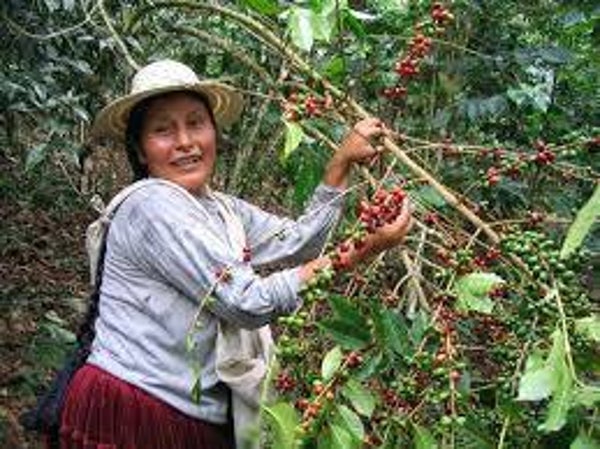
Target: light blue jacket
(164,257)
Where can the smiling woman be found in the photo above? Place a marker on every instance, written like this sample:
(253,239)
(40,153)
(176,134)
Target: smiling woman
(181,340)
(178,139)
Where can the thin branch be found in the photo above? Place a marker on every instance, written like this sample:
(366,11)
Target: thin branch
(53,35)
(116,36)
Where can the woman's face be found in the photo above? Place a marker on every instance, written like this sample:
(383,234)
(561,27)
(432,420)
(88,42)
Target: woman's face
(178,141)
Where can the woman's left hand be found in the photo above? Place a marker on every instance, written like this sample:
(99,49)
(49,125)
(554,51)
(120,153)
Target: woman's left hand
(357,145)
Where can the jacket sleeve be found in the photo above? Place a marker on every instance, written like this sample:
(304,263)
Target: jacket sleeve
(273,239)
(185,248)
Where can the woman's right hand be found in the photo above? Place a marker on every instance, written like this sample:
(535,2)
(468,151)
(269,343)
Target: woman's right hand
(392,234)
(385,237)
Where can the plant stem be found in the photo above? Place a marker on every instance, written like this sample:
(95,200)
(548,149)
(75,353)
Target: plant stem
(505,425)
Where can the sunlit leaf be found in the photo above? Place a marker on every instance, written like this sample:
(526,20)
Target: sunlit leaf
(580,228)
(589,327)
(584,441)
(551,378)
(293,137)
(283,420)
(361,399)
(562,400)
(351,422)
(586,395)
(473,291)
(537,384)
(266,7)
(423,438)
(342,439)
(331,363)
(300,24)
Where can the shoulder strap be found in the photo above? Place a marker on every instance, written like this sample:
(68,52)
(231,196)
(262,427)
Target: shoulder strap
(234,225)
(97,230)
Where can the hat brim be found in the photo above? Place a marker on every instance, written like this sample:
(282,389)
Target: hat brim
(226,104)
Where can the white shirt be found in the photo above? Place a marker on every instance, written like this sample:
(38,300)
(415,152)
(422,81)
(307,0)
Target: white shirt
(164,255)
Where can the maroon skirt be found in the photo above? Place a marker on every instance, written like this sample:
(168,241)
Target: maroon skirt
(104,412)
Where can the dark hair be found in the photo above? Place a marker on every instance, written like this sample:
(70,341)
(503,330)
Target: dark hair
(134,129)
(45,416)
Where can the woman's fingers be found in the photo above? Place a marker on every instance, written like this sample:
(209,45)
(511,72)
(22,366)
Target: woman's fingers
(370,127)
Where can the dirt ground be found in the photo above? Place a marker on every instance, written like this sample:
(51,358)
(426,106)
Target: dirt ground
(43,279)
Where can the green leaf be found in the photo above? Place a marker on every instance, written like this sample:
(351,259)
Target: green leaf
(36,155)
(346,311)
(423,438)
(293,137)
(540,378)
(584,442)
(586,396)
(556,358)
(347,335)
(562,400)
(301,28)
(551,377)
(322,27)
(589,327)
(580,228)
(335,70)
(420,323)
(352,20)
(59,333)
(283,420)
(536,385)
(324,441)
(266,7)
(391,332)
(361,399)
(351,422)
(196,392)
(341,438)
(331,363)
(348,328)
(430,196)
(473,290)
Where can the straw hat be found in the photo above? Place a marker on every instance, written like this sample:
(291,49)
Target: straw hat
(161,77)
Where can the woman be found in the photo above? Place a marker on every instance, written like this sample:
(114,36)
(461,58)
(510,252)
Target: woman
(180,263)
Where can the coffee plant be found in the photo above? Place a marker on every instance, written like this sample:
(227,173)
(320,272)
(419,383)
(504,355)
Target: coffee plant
(482,330)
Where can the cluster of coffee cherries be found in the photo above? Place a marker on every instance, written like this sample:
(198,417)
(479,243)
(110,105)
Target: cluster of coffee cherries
(320,393)
(298,106)
(461,261)
(384,208)
(544,155)
(440,14)
(513,164)
(408,66)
